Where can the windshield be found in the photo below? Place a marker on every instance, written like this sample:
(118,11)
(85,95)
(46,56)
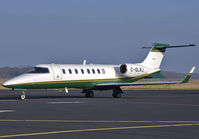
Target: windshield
(38,70)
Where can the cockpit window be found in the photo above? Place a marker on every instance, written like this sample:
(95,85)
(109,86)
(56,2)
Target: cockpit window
(39,70)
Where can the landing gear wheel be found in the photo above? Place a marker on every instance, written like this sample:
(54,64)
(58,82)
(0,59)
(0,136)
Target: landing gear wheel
(89,94)
(117,93)
(23,96)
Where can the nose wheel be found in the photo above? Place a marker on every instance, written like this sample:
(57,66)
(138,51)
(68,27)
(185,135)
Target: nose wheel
(23,96)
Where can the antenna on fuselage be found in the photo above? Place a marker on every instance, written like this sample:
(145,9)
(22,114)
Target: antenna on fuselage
(84,63)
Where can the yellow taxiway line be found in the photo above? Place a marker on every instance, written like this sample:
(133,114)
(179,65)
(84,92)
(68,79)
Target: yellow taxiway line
(98,129)
(177,121)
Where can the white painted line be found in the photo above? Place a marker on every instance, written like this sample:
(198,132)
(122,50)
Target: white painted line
(1,111)
(67,102)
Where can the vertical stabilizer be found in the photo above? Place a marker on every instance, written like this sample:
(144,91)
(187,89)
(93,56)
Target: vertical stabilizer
(155,56)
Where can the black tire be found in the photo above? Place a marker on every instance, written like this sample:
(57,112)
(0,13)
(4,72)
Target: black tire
(117,93)
(114,95)
(89,94)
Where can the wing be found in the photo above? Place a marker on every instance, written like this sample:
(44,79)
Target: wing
(185,80)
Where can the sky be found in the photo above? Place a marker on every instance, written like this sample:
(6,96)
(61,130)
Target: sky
(100,31)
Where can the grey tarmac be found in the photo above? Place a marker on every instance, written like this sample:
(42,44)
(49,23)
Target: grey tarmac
(139,114)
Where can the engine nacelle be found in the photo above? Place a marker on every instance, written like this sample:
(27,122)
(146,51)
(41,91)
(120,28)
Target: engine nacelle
(132,70)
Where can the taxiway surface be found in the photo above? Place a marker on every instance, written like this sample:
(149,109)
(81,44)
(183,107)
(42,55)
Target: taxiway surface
(138,115)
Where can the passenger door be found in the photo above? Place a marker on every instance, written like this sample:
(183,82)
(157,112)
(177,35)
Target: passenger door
(56,72)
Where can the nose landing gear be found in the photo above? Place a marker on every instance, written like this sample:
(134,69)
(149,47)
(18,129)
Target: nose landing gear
(23,95)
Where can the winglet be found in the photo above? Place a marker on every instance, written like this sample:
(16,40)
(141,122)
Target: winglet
(186,79)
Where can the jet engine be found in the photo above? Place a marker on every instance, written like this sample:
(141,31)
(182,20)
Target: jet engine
(131,70)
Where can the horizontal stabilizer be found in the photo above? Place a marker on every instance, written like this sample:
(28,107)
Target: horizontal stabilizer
(161,46)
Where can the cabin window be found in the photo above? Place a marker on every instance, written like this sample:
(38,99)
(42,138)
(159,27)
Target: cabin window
(88,71)
(39,70)
(82,71)
(63,70)
(70,71)
(103,71)
(93,71)
(76,71)
(98,71)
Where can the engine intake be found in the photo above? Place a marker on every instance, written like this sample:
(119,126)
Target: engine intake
(123,68)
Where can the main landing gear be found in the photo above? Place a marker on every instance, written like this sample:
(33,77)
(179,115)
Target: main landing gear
(88,93)
(23,95)
(117,92)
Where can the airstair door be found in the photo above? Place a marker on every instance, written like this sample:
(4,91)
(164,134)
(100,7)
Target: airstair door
(57,72)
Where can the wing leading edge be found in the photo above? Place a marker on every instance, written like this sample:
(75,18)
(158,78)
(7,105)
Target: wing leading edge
(185,80)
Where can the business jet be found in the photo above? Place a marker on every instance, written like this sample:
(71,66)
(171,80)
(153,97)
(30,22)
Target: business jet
(90,77)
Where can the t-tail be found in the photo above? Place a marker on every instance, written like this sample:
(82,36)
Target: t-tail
(156,54)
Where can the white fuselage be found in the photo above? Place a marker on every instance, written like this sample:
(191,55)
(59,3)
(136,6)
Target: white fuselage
(77,72)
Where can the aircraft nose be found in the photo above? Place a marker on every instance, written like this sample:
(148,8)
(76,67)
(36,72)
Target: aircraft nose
(16,81)
(7,84)
(10,83)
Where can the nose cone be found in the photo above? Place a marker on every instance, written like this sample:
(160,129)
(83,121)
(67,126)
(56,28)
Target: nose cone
(12,82)
(8,84)
(19,81)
